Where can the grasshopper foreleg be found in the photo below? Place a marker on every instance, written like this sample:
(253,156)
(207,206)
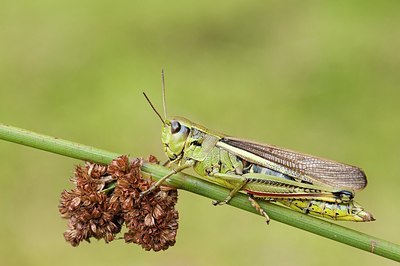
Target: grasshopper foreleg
(180,168)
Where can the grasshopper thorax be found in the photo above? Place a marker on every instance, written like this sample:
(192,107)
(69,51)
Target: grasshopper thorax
(175,134)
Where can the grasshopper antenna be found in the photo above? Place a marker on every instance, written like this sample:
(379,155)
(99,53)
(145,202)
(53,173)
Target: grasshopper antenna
(163,94)
(154,109)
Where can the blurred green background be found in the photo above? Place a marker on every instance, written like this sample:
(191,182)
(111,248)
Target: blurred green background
(317,77)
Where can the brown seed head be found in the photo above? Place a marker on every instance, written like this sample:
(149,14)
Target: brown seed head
(95,210)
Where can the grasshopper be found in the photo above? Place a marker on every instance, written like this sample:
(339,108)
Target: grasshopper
(302,182)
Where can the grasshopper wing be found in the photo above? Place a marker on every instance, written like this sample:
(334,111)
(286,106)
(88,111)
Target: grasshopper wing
(300,166)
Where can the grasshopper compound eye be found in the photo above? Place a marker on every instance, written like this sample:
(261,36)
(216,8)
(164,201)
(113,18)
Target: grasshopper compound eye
(175,126)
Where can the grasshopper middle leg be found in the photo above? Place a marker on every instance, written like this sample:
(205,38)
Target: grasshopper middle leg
(239,180)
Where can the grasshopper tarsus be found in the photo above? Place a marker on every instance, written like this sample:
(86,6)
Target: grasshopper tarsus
(218,203)
(162,180)
(223,202)
(257,206)
(253,202)
(146,192)
(152,188)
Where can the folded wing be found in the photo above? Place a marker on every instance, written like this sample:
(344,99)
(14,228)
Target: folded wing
(300,166)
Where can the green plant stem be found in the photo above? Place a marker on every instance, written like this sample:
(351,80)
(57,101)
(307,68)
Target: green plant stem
(183,181)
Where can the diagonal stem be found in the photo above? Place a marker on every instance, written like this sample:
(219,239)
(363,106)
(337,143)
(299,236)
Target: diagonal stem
(183,181)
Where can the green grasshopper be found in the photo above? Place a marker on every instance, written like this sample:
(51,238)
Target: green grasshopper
(305,183)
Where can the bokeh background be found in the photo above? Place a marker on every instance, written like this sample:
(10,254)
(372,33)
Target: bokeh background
(317,77)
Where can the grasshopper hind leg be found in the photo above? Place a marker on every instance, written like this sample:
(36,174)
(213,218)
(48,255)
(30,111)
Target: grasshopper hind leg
(257,206)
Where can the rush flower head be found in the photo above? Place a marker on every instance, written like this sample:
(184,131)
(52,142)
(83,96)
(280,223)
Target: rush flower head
(106,197)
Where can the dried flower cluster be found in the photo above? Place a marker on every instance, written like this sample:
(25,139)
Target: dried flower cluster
(106,197)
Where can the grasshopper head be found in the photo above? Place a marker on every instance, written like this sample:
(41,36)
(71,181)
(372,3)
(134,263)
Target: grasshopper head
(174,135)
(175,131)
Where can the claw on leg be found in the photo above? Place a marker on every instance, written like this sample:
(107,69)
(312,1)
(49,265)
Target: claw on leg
(257,206)
(240,180)
(225,201)
(144,193)
(161,181)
